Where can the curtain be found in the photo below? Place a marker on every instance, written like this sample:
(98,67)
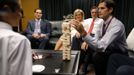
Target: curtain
(56,9)
(125,13)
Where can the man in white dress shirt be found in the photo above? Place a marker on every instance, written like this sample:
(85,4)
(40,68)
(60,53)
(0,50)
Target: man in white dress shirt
(92,26)
(15,50)
(97,24)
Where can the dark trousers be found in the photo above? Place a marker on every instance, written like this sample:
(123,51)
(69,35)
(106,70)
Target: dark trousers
(76,45)
(40,43)
(88,60)
(120,65)
(100,60)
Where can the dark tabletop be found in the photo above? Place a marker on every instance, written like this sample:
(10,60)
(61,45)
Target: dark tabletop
(52,60)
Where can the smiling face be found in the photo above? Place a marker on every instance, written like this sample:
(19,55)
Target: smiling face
(104,12)
(38,14)
(79,17)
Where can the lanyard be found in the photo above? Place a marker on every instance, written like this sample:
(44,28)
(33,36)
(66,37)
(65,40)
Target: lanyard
(106,26)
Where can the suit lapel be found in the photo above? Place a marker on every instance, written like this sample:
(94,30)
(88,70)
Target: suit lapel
(41,25)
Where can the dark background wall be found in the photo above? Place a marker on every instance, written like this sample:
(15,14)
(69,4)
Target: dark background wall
(56,9)
(125,13)
(28,12)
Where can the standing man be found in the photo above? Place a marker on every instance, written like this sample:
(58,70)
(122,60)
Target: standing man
(38,31)
(15,49)
(112,40)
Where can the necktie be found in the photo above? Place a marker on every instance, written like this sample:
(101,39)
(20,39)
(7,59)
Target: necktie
(104,29)
(91,27)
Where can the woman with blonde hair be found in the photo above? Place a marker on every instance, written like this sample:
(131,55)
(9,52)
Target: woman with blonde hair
(79,16)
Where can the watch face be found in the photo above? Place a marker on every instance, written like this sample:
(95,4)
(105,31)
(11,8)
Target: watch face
(91,34)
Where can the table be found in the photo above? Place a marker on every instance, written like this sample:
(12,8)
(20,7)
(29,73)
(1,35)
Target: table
(52,60)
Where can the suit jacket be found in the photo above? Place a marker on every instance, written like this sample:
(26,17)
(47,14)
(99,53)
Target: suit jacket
(45,28)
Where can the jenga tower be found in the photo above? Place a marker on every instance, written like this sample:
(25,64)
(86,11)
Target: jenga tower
(66,38)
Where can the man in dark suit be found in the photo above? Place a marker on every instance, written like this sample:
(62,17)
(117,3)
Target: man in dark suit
(38,31)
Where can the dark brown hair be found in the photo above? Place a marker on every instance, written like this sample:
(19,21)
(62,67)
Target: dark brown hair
(37,9)
(109,4)
(9,6)
(93,7)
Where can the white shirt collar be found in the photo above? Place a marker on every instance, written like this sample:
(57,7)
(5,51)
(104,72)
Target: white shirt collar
(4,25)
(38,20)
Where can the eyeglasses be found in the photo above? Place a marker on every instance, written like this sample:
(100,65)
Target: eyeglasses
(38,12)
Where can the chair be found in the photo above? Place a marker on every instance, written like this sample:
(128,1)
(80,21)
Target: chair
(130,42)
(56,33)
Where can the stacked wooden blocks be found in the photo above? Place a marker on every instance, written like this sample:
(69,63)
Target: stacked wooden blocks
(66,38)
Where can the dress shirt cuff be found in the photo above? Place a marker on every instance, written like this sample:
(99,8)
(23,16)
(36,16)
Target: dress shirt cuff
(88,38)
(93,43)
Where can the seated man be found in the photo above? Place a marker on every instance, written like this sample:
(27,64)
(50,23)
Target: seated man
(38,31)
(93,27)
